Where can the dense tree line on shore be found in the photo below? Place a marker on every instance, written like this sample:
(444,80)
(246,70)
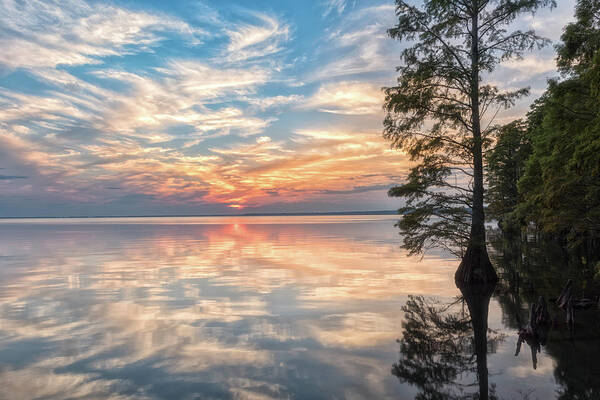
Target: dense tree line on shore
(541,172)
(544,171)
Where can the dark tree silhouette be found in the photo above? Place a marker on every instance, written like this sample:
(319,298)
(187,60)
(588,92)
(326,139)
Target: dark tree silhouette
(530,269)
(438,114)
(440,345)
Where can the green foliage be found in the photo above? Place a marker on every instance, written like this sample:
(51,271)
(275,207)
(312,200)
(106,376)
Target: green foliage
(581,39)
(554,161)
(435,112)
(561,185)
(439,218)
(505,165)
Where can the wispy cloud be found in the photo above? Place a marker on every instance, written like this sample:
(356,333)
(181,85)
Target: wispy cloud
(182,94)
(531,65)
(311,163)
(51,33)
(330,6)
(347,98)
(249,41)
(211,106)
(265,103)
(360,44)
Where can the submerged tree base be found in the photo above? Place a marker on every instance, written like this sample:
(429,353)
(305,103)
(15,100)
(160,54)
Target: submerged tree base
(475,268)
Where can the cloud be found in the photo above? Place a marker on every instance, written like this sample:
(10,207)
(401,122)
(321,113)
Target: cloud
(154,133)
(265,103)
(263,139)
(359,45)
(52,111)
(306,167)
(183,94)
(249,41)
(311,164)
(358,189)
(347,98)
(531,65)
(38,34)
(547,21)
(83,136)
(333,5)
(92,99)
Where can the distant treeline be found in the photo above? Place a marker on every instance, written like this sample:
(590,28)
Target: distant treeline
(544,171)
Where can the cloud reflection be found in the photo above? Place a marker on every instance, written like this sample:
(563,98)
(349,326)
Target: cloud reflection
(232,311)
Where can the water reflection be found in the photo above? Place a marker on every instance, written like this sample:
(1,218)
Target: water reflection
(478,301)
(533,273)
(213,311)
(443,348)
(274,308)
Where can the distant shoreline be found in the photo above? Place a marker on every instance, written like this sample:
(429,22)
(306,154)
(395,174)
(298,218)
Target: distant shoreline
(380,212)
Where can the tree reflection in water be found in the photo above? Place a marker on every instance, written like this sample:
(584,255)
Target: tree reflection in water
(532,268)
(443,349)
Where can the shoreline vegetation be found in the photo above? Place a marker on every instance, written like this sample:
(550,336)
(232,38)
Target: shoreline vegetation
(539,174)
(544,170)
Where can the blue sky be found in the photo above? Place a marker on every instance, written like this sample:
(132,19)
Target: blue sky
(200,107)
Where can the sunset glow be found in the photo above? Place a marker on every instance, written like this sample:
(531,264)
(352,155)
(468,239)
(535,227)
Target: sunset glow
(283,199)
(130,108)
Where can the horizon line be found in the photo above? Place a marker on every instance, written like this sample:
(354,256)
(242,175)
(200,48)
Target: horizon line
(372,212)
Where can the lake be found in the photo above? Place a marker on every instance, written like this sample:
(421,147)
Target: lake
(305,307)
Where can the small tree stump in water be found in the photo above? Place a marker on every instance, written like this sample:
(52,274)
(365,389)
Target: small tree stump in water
(535,333)
(565,295)
(567,302)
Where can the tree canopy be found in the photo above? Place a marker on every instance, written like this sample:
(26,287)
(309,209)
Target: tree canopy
(441,114)
(505,165)
(553,159)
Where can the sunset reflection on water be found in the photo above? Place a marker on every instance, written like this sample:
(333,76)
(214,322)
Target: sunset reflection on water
(302,307)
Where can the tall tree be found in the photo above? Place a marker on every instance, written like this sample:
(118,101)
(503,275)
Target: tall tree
(505,164)
(580,39)
(560,188)
(437,114)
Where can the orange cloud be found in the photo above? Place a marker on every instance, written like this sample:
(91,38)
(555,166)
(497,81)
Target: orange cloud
(310,165)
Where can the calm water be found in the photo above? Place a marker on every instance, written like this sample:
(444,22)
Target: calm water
(252,308)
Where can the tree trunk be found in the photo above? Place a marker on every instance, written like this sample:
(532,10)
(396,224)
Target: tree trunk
(475,267)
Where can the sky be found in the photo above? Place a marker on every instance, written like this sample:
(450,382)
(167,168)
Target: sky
(209,107)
